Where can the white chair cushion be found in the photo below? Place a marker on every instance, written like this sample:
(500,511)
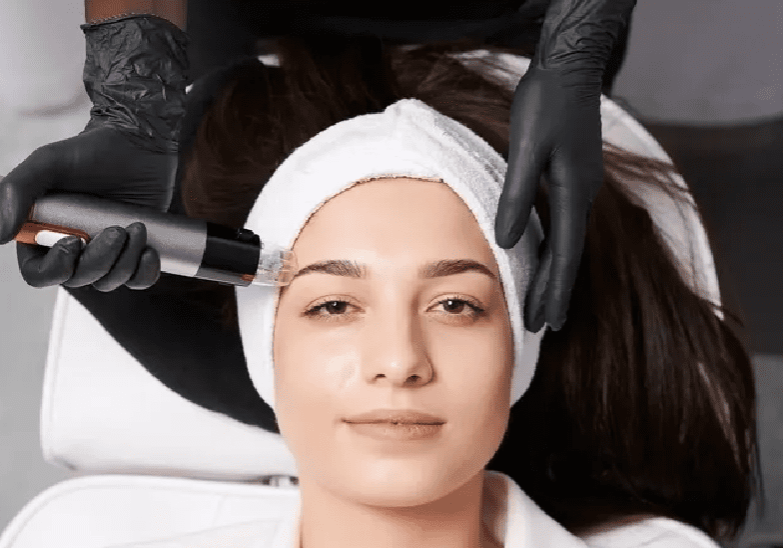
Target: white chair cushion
(102,511)
(102,412)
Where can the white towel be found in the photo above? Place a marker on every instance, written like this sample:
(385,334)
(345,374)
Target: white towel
(408,139)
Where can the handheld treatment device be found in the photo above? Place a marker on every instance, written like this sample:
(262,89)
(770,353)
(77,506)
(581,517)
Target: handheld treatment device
(187,247)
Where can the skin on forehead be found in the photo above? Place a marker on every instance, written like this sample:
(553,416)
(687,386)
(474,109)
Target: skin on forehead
(398,199)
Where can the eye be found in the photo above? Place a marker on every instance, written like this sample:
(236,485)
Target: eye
(323,311)
(334,309)
(454,306)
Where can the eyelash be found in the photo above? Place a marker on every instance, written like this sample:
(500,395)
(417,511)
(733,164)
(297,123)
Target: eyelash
(477,311)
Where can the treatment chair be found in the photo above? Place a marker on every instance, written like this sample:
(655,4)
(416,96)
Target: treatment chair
(151,465)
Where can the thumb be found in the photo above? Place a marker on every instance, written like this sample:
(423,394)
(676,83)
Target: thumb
(18,191)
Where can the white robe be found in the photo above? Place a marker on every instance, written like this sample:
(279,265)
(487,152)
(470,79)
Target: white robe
(510,515)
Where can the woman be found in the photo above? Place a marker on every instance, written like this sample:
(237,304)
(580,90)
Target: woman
(439,343)
(640,416)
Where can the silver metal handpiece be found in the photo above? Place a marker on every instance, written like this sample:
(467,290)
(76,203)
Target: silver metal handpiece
(187,247)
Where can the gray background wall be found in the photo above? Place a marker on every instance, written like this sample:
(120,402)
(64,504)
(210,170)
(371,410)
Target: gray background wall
(690,63)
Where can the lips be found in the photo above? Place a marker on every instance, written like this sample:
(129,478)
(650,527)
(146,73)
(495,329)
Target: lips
(395,416)
(397,433)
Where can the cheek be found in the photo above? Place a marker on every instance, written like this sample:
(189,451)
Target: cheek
(311,369)
(486,358)
(475,369)
(480,356)
(488,363)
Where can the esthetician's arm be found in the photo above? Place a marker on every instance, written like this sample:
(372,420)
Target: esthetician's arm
(175,11)
(556,132)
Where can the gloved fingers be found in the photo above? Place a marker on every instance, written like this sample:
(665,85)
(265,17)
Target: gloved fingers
(569,212)
(43,267)
(107,262)
(519,190)
(148,272)
(126,266)
(65,263)
(536,293)
(98,257)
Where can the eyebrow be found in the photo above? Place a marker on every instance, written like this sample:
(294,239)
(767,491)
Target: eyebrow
(434,269)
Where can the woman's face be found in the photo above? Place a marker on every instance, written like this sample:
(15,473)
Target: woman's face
(393,339)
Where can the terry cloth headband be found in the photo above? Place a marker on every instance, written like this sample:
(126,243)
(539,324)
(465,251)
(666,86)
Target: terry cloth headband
(407,139)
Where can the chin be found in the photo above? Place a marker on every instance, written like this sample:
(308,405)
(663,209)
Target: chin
(397,494)
(400,484)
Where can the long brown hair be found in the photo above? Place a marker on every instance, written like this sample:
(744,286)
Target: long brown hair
(643,403)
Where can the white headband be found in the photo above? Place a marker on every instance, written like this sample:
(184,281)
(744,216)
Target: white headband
(408,139)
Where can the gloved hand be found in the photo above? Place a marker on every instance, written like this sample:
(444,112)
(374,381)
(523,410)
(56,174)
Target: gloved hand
(101,161)
(135,76)
(556,131)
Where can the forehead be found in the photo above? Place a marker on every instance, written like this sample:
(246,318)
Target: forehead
(397,218)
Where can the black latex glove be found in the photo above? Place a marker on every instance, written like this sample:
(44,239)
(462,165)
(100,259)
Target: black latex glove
(556,132)
(135,75)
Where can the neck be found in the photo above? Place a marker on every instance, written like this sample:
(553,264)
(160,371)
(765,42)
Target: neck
(452,521)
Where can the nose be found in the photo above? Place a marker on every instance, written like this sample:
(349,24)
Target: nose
(396,351)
